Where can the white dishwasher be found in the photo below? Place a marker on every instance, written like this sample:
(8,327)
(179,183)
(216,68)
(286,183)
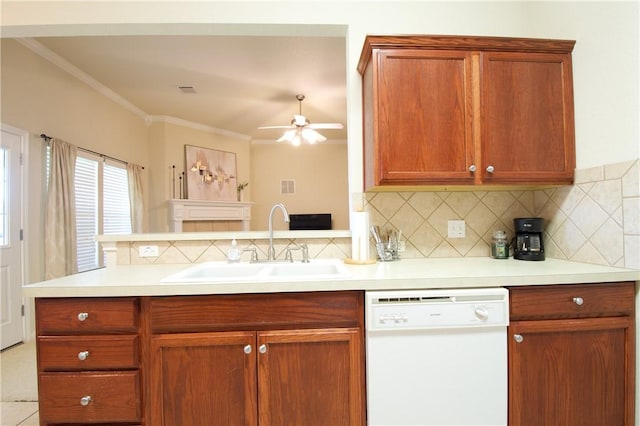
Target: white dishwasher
(437,357)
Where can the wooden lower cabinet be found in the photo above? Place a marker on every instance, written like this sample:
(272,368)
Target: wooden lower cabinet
(283,368)
(571,355)
(310,377)
(203,379)
(249,359)
(88,361)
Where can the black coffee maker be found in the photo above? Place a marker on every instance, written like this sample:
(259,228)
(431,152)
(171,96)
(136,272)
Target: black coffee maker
(527,244)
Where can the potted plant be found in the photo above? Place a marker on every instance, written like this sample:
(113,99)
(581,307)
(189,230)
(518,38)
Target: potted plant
(241,186)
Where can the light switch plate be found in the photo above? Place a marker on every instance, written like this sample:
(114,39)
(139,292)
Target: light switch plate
(148,251)
(456,229)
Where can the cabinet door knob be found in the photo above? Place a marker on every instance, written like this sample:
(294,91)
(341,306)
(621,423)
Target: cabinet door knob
(472,168)
(83,355)
(578,301)
(263,349)
(518,338)
(491,169)
(85,400)
(248,349)
(82,316)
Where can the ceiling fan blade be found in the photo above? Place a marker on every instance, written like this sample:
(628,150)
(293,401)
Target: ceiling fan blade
(325,126)
(276,127)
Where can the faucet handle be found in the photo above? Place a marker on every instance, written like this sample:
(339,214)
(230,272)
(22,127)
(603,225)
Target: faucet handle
(288,256)
(305,252)
(254,254)
(302,247)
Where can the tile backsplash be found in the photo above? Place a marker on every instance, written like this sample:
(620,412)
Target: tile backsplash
(596,220)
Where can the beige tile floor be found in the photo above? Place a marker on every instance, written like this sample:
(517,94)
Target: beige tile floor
(19,413)
(17,383)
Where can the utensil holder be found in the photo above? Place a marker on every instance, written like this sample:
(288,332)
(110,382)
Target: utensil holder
(384,254)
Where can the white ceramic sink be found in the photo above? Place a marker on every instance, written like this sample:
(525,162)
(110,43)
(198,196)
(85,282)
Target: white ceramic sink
(215,271)
(249,272)
(315,269)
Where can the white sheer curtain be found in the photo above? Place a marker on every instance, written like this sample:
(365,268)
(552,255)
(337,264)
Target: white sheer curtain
(136,197)
(60,218)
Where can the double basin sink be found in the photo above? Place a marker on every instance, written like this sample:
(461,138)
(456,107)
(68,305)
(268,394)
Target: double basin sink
(215,272)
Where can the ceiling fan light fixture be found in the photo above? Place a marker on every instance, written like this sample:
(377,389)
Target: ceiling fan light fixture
(301,128)
(311,136)
(299,121)
(288,136)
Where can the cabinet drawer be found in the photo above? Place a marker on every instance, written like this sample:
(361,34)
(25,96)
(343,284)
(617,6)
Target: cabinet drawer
(572,301)
(114,397)
(256,311)
(86,315)
(87,352)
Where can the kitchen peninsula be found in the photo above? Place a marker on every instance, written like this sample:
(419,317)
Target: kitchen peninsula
(122,345)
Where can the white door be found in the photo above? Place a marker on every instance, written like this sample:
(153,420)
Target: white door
(10,241)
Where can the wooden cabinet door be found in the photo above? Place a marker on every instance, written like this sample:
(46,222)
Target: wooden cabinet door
(311,377)
(527,118)
(422,120)
(571,372)
(203,379)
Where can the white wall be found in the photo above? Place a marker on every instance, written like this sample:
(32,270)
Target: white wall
(319,171)
(38,97)
(605,74)
(605,59)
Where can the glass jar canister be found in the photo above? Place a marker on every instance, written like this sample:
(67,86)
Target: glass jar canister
(499,245)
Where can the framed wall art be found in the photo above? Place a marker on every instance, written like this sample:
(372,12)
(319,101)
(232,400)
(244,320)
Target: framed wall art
(210,174)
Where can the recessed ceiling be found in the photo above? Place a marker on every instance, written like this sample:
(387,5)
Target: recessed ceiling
(239,82)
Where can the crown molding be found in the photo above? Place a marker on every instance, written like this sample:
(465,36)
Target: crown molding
(65,65)
(275,142)
(197,126)
(76,72)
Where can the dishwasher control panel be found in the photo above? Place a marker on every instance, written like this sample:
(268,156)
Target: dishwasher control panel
(437,309)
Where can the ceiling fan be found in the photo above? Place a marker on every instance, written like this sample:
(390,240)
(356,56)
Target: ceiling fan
(301,129)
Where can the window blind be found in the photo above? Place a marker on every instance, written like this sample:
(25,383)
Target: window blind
(86,192)
(102,206)
(116,211)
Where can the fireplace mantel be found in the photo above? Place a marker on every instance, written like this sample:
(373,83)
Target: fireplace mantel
(189,210)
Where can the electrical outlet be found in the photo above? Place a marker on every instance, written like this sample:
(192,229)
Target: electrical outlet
(456,229)
(148,251)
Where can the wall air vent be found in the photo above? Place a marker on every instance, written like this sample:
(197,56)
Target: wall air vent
(287,186)
(187,89)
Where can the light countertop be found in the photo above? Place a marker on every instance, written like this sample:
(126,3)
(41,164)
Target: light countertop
(146,280)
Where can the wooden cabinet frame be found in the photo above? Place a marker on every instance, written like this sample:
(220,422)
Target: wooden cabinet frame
(273,343)
(458,110)
(572,355)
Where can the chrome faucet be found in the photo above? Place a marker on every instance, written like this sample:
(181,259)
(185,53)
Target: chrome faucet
(271,253)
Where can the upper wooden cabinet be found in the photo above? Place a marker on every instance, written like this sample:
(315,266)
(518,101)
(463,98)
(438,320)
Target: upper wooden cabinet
(447,110)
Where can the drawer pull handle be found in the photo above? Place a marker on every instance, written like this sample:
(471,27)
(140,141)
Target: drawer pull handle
(491,169)
(85,400)
(82,316)
(263,349)
(472,168)
(518,338)
(578,301)
(83,355)
(247,349)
